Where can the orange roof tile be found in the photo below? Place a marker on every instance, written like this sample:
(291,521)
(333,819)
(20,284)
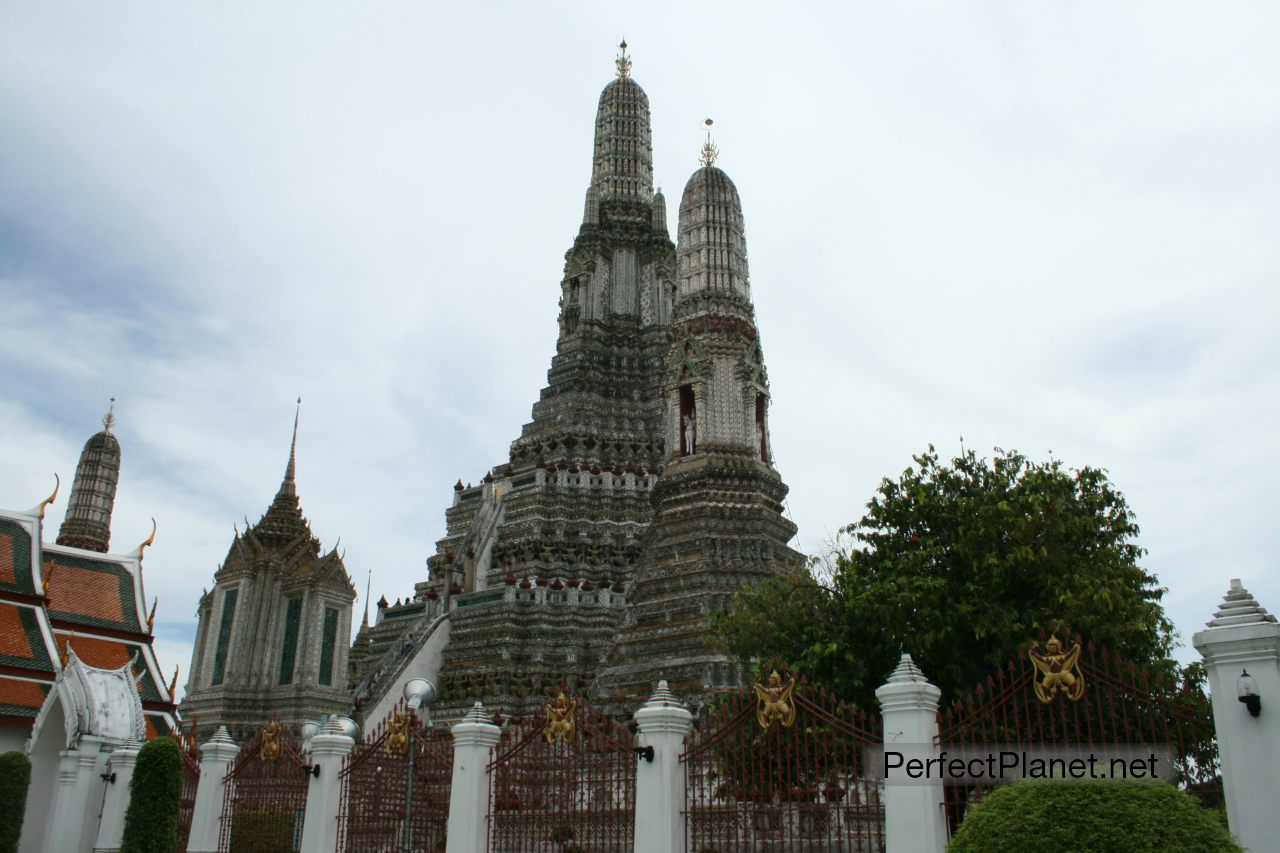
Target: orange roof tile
(13,634)
(24,694)
(104,654)
(85,592)
(6,559)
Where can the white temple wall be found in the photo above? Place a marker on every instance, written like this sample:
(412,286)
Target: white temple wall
(44,755)
(425,663)
(13,739)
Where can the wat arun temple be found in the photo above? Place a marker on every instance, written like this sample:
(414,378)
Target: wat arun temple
(637,500)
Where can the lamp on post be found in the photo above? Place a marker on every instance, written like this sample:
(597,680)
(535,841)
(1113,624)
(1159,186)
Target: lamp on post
(418,693)
(1247,692)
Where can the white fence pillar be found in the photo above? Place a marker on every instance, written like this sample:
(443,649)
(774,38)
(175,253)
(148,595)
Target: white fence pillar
(1243,637)
(660,783)
(473,741)
(75,810)
(328,749)
(116,802)
(913,817)
(217,756)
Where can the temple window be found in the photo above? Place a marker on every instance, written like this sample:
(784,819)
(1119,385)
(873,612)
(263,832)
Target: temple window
(224,634)
(761,440)
(329,639)
(293,615)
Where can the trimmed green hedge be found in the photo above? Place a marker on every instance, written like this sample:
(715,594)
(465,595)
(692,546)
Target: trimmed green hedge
(263,830)
(15,778)
(1050,816)
(155,794)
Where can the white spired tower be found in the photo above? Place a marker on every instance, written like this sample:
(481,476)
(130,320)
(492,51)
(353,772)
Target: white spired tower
(717,523)
(87,523)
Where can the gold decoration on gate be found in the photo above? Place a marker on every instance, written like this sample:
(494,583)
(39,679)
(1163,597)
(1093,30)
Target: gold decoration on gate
(560,724)
(776,701)
(1057,671)
(398,736)
(270,749)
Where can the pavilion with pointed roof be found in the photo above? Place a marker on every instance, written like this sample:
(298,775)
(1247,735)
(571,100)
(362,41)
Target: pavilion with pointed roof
(79,677)
(74,599)
(272,641)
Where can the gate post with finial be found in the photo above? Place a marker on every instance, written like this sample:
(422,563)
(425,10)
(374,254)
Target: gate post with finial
(473,742)
(660,781)
(1241,651)
(913,817)
(216,758)
(328,750)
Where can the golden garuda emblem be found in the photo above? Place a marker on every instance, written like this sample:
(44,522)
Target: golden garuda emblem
(776,703)
(1057,671)
(398,735)
(270,749)
(560,724)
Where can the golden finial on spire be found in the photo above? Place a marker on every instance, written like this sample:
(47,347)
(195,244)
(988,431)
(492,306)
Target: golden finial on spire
(151,620)
(109,419)
(709,150)
(57,484)
(623,61)
(147,544)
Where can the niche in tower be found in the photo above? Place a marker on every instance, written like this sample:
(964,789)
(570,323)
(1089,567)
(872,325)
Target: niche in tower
(688,421)
(761,440)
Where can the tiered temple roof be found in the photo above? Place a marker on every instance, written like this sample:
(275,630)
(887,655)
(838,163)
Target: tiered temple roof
(59,600)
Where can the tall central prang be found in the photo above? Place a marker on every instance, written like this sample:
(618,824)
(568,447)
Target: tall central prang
(537,579)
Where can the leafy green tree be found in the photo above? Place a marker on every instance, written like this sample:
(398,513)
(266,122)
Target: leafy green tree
(1042,816)
(960,564)
(155,793)
(15,778)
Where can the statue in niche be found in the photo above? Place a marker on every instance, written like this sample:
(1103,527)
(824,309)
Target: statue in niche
(690,433)
(688,429)
(762,440)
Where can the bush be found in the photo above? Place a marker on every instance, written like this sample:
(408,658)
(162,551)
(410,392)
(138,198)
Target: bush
(1049,816)
(263,830)
(151,823)
(15,778)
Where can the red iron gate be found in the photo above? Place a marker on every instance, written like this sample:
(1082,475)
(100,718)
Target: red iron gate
(564,780)
(190,782)
(781,767)
(266,795)
(395,788)
(1073,694)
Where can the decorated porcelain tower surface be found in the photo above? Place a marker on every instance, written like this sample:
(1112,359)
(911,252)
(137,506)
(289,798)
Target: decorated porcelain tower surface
(272,636)
(538,553)
(718,522)
(87,523)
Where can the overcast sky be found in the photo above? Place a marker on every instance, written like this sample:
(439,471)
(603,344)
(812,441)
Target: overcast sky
(1048,226)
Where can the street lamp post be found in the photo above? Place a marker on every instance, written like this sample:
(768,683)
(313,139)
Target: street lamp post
(418,692)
